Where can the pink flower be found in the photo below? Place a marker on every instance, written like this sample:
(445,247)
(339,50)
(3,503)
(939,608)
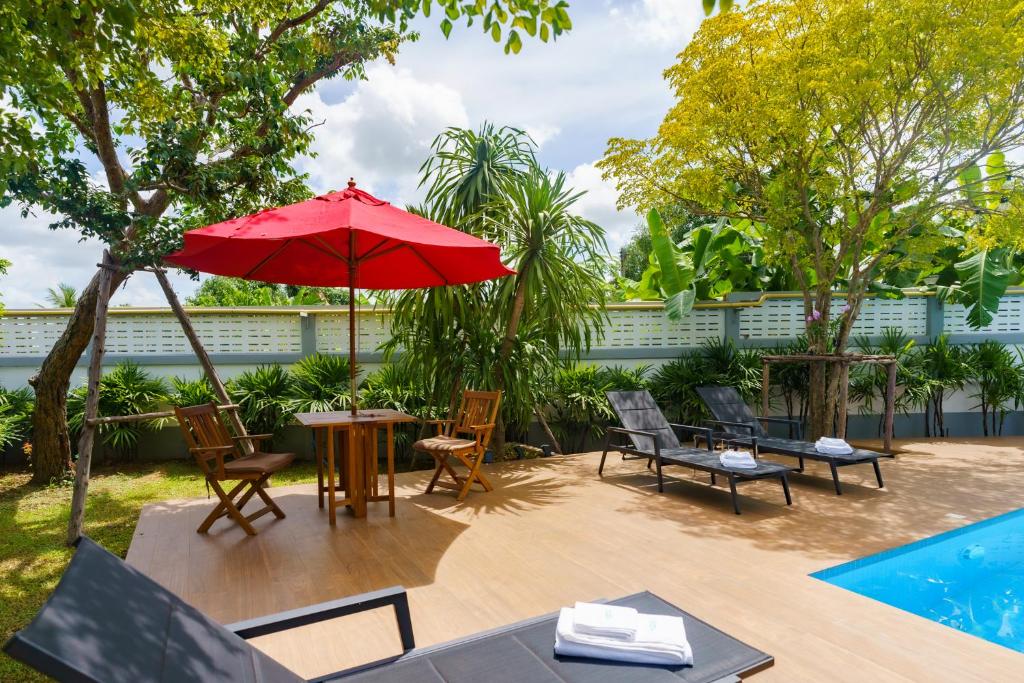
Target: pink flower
(815,316)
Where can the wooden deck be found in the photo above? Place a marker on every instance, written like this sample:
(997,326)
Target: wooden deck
(553,532)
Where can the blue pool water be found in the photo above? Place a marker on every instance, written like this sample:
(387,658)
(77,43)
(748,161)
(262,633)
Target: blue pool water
(970,579)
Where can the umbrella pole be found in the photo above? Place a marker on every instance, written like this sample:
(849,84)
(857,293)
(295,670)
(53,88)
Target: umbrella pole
(352,317)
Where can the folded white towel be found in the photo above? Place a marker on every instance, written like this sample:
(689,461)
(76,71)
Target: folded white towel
(737,460)
(831,446)
(607,621)
(659,640)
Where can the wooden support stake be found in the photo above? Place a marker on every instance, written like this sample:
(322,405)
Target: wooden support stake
(844,392)
(764,388)
(92,404)
(204,358)
(890,405)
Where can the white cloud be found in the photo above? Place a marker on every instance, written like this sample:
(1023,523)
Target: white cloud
(381,133)
(667,23)
(598,205)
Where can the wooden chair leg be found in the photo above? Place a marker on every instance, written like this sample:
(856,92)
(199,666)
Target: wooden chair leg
(437,472)
(227,505)
(260,488)
(219,509)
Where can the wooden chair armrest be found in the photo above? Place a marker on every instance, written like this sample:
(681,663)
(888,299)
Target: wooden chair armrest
(218,452)
(439,424)
(222,449)
(284,621)
(253,437)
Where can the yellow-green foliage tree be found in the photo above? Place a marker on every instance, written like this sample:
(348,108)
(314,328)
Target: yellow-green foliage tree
(845,129)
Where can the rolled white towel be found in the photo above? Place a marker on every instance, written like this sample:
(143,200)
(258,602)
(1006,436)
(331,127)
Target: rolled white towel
(607,621)
(831,446)
(659,640)
(738,460)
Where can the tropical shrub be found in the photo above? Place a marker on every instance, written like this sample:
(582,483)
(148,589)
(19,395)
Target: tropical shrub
(126,390)
(15,416)
(191,392)
(999,380)
(263,395)
(577,402)
(869,382)
(947,367)
(320,383)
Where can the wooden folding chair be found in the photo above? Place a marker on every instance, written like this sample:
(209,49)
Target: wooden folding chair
(218,455)
(465,438)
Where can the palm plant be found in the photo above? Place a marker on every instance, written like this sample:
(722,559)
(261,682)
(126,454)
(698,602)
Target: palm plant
(263,395)
(551,249)
(320,383)
(62,296)
(578,402)
(502,335)
(946,365)
(999,381)
(126,390)
(674,385)
(16,407)
(869,383)
(191,392)
(468,169)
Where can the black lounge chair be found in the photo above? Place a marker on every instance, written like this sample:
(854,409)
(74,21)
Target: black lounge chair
(651,436)
(732,413)
(108,622)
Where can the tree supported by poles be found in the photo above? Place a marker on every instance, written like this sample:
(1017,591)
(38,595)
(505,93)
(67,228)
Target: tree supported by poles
(844,360)
(92,402)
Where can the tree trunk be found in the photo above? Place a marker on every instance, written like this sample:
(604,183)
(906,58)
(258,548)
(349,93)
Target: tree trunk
(51,445)
(505,351)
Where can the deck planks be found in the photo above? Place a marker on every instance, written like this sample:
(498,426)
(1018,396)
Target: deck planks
(553,532)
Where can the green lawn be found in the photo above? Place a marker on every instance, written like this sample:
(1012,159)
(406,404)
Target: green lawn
(33,522)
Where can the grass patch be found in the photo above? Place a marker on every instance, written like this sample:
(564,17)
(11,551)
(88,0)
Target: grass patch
(33,522)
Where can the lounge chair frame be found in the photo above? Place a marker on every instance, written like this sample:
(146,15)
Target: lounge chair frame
(701,459)
(751,433)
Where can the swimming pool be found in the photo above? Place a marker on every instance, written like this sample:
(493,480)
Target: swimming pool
(970,579)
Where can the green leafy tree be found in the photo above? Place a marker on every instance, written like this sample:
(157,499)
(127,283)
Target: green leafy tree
(4,265)
(847,130)
(187,110)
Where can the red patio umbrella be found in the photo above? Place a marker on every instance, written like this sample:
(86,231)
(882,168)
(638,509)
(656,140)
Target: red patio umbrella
(342,239)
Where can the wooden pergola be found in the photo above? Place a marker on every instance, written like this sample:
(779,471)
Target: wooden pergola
(92,420)
(844,360)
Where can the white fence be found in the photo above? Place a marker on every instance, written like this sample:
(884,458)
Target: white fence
(635,331)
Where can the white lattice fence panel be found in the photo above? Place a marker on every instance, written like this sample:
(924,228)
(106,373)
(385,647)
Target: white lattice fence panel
(372,330)
(1009,319)
(773,319)
(221,333)
(30,335)
(652,328)
(909,315)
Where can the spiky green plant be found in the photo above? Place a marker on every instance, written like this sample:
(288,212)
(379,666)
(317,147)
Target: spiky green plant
(128,389)
(16,407)
(191,392)
(264,396)
(320,383)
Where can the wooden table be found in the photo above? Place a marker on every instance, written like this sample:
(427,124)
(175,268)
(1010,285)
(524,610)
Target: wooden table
(358,475)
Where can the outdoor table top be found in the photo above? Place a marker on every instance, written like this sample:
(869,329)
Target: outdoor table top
(340,418)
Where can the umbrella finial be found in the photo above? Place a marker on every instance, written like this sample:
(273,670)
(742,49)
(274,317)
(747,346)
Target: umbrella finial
(351,183)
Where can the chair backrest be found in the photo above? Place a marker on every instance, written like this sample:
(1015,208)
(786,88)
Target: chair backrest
(202,427)
(725,403)
(106,621)
(477,408)
(638,410)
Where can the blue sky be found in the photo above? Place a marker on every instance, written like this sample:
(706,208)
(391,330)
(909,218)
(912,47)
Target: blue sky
(601,80)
